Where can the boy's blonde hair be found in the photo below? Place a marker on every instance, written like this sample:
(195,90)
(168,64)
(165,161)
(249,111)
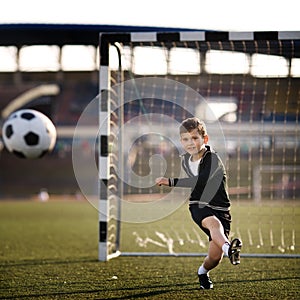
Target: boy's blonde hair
(190,124)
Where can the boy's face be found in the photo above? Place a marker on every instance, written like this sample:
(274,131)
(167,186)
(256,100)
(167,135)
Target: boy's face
(192,142)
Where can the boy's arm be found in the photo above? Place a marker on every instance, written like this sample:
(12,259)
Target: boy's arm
(179,182)
(211,169)
(188,182)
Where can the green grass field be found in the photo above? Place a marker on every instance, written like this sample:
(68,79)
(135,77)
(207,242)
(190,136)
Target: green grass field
(49,251)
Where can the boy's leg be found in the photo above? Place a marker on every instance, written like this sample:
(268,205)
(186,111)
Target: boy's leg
(213,258)
(217,234)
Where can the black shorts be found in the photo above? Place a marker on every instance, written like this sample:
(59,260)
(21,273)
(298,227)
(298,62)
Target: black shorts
(200,213)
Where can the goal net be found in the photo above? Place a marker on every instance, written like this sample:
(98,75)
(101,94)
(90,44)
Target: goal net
(246,87)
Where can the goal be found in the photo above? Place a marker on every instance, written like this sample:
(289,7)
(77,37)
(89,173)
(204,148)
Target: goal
(246,87)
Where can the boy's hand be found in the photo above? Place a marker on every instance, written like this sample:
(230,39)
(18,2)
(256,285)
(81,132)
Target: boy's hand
(162,181)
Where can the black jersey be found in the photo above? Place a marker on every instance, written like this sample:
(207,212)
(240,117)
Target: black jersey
(209,187)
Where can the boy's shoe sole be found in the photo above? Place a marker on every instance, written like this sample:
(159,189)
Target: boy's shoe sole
(205,282)
(234,251)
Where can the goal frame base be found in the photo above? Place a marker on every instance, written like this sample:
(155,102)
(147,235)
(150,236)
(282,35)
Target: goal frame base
(193,254)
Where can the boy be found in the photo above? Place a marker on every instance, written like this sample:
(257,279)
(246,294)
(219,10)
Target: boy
(209,203)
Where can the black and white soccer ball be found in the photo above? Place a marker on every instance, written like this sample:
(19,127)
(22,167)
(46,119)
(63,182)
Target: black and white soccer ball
(28,133)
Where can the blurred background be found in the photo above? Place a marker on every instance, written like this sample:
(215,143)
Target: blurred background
(49,61)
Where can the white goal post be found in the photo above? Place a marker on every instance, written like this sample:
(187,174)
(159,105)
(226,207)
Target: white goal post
(229,80)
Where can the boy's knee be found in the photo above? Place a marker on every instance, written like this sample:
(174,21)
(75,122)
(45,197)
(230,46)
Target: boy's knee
(212,223)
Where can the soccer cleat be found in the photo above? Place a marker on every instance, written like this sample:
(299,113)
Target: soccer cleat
(205,282)
(234,251)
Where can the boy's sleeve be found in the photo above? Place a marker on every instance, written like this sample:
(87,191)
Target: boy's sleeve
(188,182)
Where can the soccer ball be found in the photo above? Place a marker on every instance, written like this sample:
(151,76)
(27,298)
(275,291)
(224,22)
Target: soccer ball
(28,133)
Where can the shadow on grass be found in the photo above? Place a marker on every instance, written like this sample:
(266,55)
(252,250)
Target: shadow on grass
(138,291)
(108,293)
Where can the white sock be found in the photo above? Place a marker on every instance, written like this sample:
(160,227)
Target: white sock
(202,270)
(225,248)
